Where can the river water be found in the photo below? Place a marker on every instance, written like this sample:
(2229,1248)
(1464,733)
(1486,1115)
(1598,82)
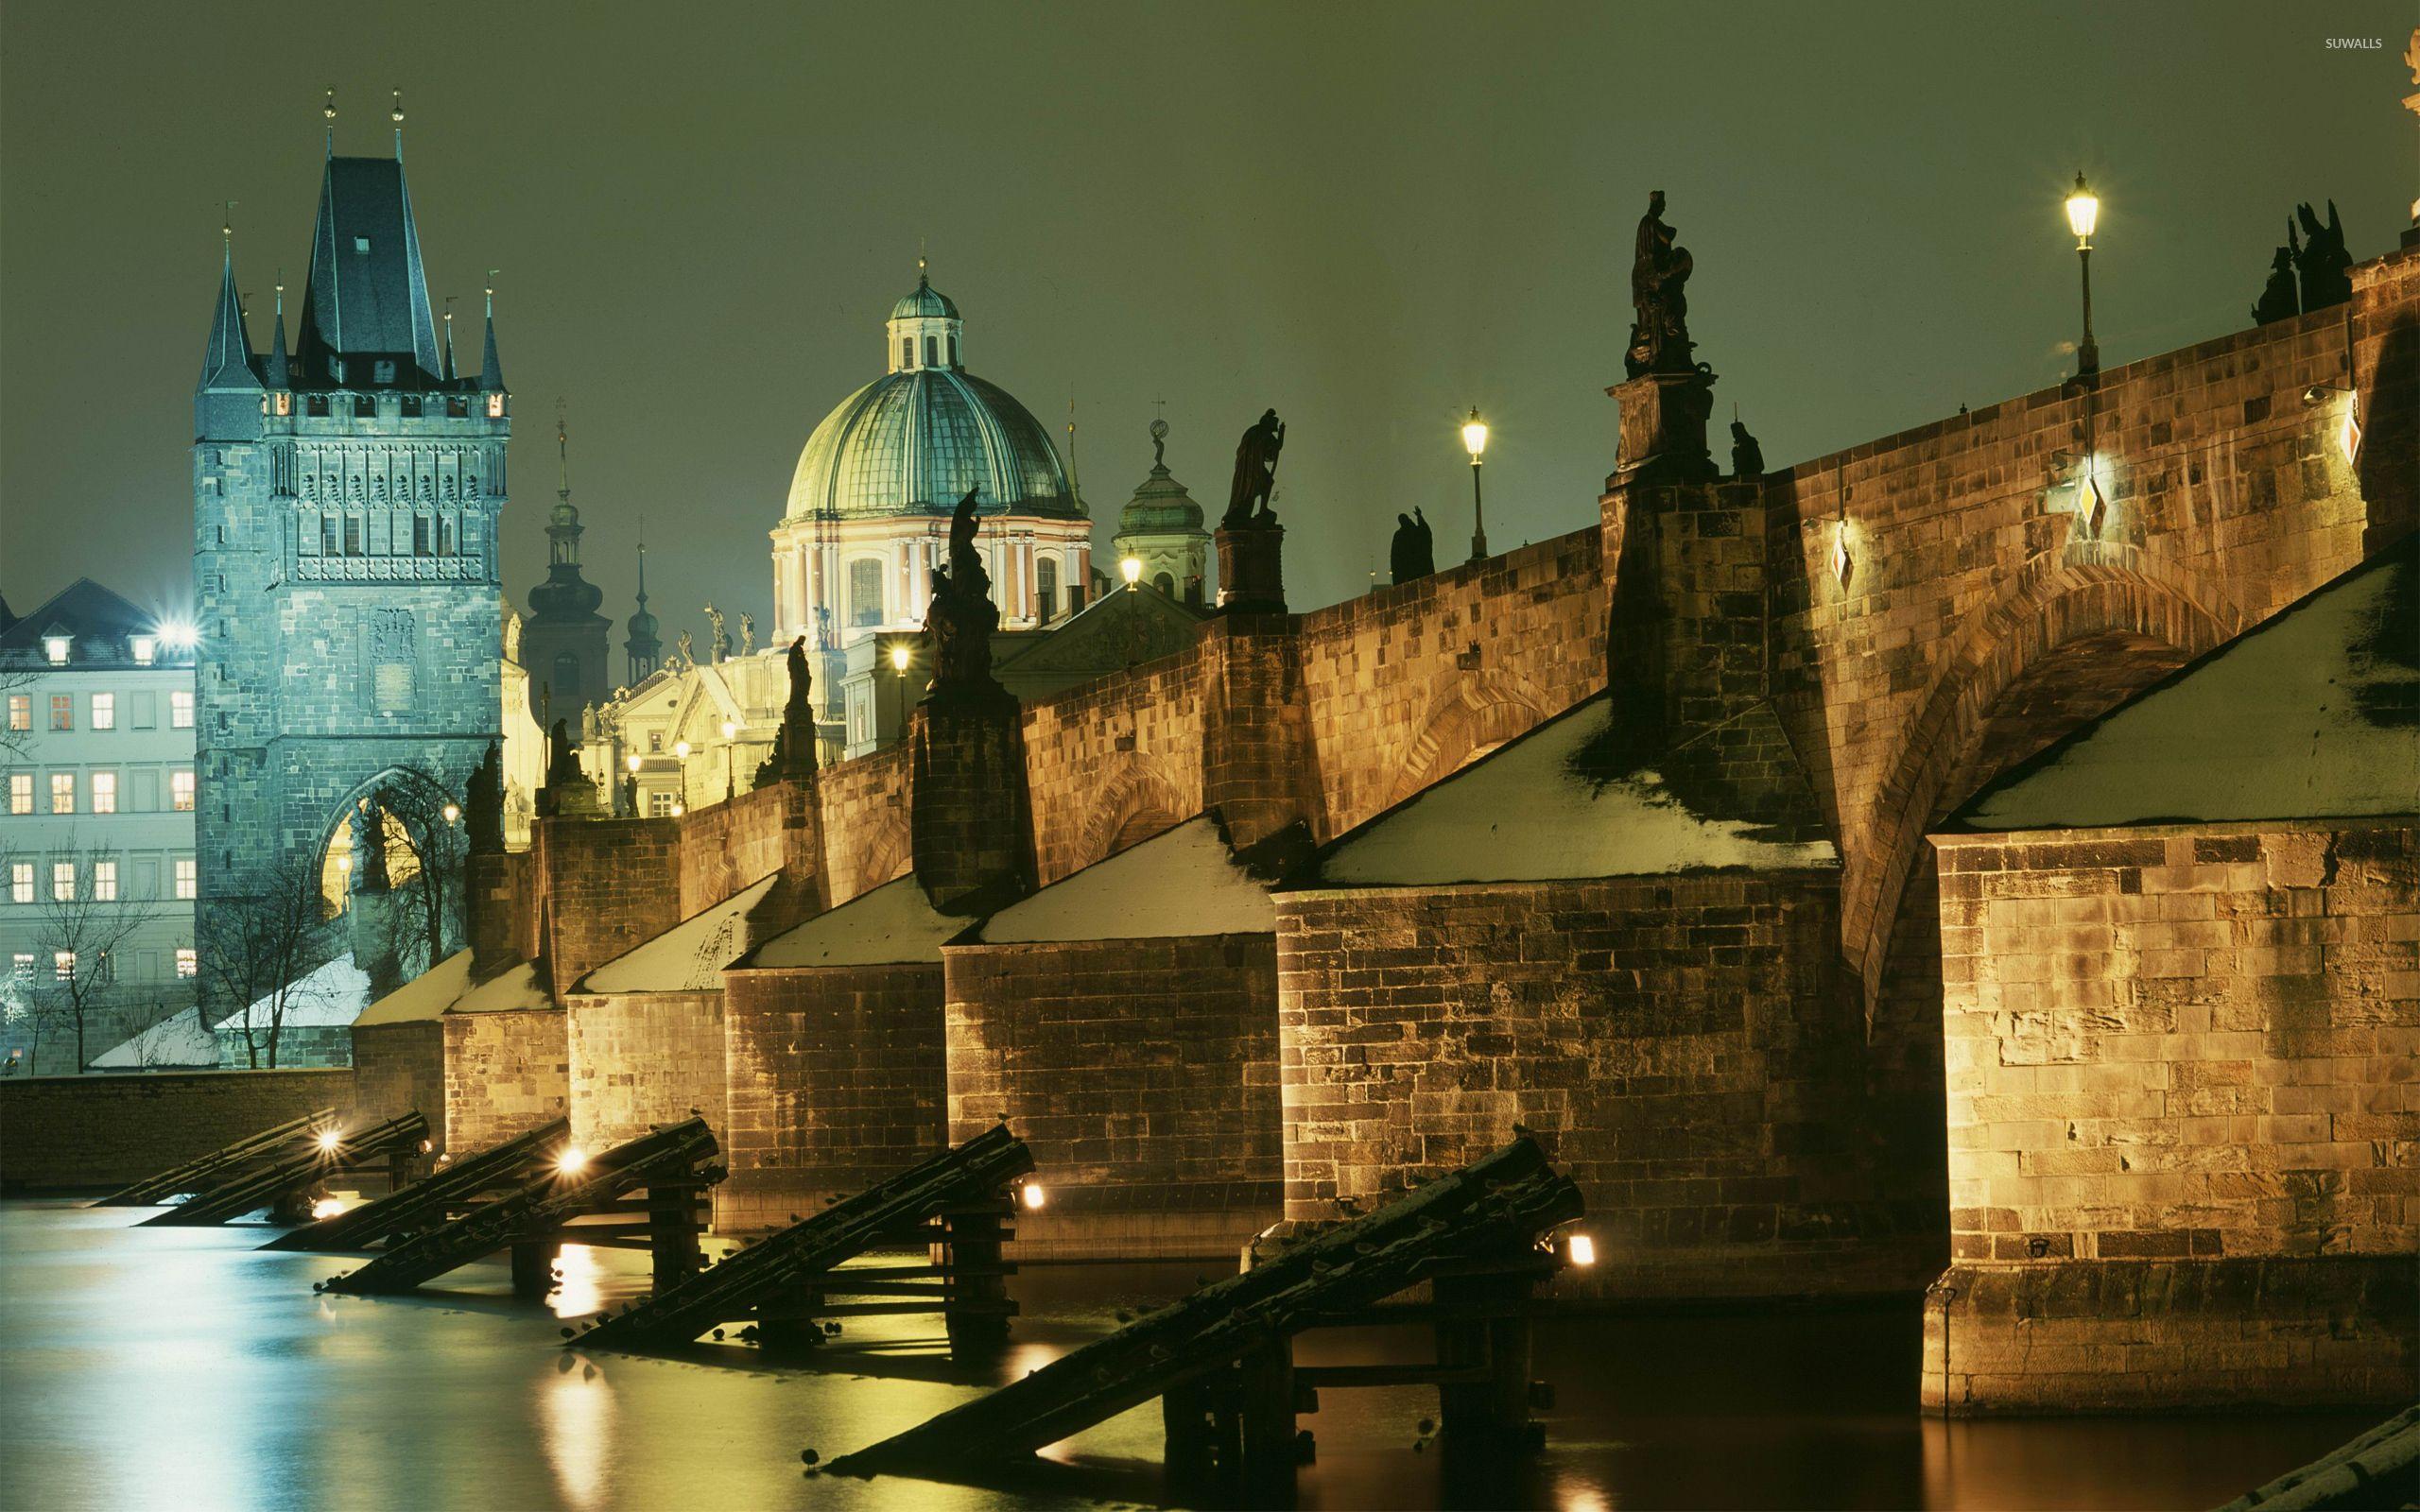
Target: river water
(180,1369)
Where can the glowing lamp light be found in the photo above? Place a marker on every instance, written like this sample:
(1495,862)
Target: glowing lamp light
(1474,436)
(326,1208)
(182,634)
(634,764)
(899,657)
(571,1161)
(681,749)
(344,864)
(678,809)
(1581,1250)
(1034,1196)
(1130,568)
(453,813)
(729,729)
(2083,212)
(328,1139)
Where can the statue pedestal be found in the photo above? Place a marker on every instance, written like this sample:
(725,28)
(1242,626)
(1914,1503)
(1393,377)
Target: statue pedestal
(968,825)
(577,798)
(1664,418)
(1252,570)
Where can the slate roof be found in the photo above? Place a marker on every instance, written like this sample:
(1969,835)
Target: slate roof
(99,620)
(367,293)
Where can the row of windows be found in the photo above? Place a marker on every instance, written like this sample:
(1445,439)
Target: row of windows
(62,965)
(365,406)
(101,710)
(865,589)
(346,536)
(932,351)
(97,880)
(145,648)
(101,788)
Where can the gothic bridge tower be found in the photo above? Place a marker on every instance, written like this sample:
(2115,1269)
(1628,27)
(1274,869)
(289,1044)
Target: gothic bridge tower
(345,503)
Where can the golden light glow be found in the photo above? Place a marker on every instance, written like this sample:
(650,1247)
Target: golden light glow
(326,1208)
(729,729)
(1475,434)
(678,809)
(453,813)
(634,764)
(681,749)
(2348,435)
(329,1139)
(344,863)
(1034,1196)
(1131,569)
(1581,1250)
(2083,212)
(1841,562)
(899,656)
(570,1161)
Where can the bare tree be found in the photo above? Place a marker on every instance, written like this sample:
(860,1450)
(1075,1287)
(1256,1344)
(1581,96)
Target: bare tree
(85,923)
(264,949)
(429,819)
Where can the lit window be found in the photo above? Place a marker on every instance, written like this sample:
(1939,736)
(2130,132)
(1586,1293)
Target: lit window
(655,742)
(21,712)
(284,403)
(188,964)
(105,792)
(865,592)
(105,881)
(659,805)
(55,648)
(180,709)
(62,711)
(181,787)
(105,711)
(907,352)
(496,407)
(145,648)
(21,882)
(23,963)
(63,792)
(188,880)
(62,965)
(20,792)
(63,881)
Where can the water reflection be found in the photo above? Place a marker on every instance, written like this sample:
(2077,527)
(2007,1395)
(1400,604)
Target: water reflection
(182,1368)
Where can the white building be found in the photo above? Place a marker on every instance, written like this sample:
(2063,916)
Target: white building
(96,825)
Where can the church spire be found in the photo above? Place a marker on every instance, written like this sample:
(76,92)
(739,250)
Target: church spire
(228,361)
(279,377)
(449,338)
(490,370)
(644,648)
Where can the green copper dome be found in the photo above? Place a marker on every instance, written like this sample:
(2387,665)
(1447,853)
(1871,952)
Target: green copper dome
(1161,505)
(915,439)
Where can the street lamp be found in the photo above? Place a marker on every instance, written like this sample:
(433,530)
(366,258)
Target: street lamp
(730,776)
(1475,439)
(453,813)
(899,659)
(1131,569)
(2083,212)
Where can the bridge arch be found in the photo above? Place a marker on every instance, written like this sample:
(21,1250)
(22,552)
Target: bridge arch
(884,856)
(1468,715)
(2071,634)
(1135,803)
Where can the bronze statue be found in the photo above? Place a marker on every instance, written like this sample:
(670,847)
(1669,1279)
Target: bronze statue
(688,656)
(370,846)
(2324,264)
(959,625)
(747,633)
(1747,458)
(719,644)
(483,803)
(2277,298)
(1248,501)
(1413,553)
(1659,334)
(794,752)
(561,767)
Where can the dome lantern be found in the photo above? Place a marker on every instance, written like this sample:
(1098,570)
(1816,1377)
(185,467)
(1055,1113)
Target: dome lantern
(924,330)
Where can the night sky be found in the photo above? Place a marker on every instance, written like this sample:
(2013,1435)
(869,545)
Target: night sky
(1372,217)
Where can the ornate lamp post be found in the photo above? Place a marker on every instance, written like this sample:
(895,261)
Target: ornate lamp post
(1475,439)
(1130,568)
(2083,212)
(729,776)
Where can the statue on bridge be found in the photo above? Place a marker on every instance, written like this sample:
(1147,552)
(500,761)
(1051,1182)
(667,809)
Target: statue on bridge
(1255,475)
(959,625)
(2324,264)
(2277,298)
(1660,267)
(794,752)
(1747,458)
(483,803)
(1414,554)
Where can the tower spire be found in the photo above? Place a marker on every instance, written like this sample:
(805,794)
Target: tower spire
(328,113)
(490,370)
(278,375)
(563,456)
(449,338)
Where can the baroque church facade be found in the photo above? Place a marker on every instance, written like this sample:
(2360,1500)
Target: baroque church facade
(346,496)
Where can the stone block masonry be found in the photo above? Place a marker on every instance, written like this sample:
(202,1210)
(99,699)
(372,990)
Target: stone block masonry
(835,1080)
(637,1060)
(1144,1075)
(2184,1117)
(398,1069)
(607,886)
(1681,1045)
(106,1131)
(506,1073)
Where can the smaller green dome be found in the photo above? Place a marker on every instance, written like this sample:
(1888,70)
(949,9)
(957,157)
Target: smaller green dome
(927,303)
(1161,505)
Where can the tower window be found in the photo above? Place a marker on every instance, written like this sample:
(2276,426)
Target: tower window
(329,545)
(361,243)
(411,405)
(1045,583)
(907,352)
(382,372)
(365,406)
(420,535)
(353,534)
(285,402)
(496,407)
(567,672)
(457,409)
(1165,584)
(444,535)
(932,351)
(953,352)
(316,405)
